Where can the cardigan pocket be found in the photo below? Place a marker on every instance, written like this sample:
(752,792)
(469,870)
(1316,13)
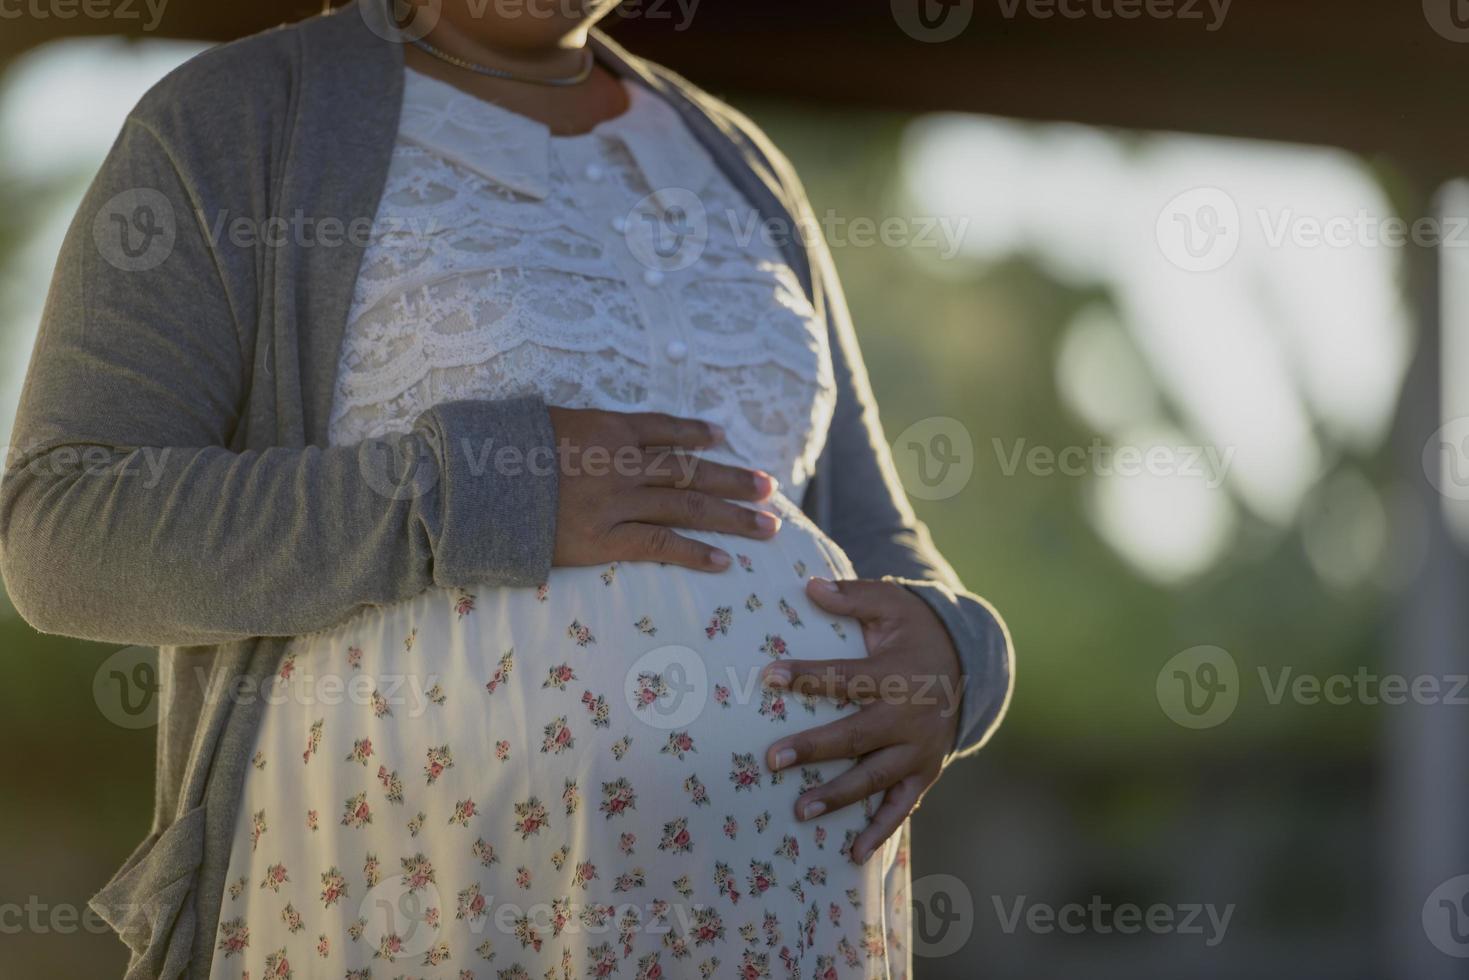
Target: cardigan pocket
(149,902)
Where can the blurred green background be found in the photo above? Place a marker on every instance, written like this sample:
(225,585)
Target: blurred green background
(1056,322)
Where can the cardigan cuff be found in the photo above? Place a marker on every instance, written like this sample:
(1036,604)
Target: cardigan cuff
(986,659)
(497,492)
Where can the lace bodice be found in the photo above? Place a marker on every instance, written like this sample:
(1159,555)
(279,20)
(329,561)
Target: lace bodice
(618,269)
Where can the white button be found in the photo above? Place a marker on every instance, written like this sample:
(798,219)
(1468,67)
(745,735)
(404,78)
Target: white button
(677,350)
(619,224)
(594,172)
(653,277)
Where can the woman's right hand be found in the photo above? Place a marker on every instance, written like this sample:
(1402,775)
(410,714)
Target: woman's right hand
(629,479)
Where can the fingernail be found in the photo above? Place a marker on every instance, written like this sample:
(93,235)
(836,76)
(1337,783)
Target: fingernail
(824,584)
(767,522)
(719,559)
(784,758)
(767,483)
(777,676)
(813,810)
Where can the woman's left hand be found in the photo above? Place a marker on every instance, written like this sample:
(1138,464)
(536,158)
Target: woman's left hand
(909,691)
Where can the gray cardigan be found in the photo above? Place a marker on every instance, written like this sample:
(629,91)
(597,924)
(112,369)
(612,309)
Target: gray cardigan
(170,481)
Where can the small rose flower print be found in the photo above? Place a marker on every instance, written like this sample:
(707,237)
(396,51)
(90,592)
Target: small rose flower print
(288,667)
(800,568)
(356,813)
(596,705)
(793,617)
(355,931)
(761,878)
(771,927)
(708,926)
(354,657)
(437,954)
(391,783)
(679,744)
(617,798)
(415,824)
(559,677)
(571,797)
(313,740)
(530,817)
(277,967)
(648,968)
(234,937)
(502,750)
(333,887)
(745,562)
(471,905)
(323,946)
(502,672)
(258,761)
(522,877)
(291,918)
(724,882)
(410,639)
(389,948)
(527,933)
(707,968)
(603,961)
(746,774)
(721,695)
(609,574)
(275,876)
(646,627)
(626,842)
(418,873)
(439,759)
(620,747)
(650,687)
(436,695)
(789,849)
(773,705)
(872,941)
(731,827)
(720,622)
(753,602)
(838,629)
(559,856)
(380,706)
(762,821)
(558,736)
(585,872)
(257,828)
(238,886)
(826,968)
(361,751)
(698,795)
(463,603)
(816,875)
(683,886)
(774,646)
(676,837)
(463,811)
(629,880)
(542,591)
(486,950)
(581,634)
(313,820)
(371,870)
(484,852)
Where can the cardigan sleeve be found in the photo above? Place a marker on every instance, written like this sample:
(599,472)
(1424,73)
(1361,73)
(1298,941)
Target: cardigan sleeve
(870,517)
(126,517)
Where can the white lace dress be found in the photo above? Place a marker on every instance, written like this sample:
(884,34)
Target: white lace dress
(567,781)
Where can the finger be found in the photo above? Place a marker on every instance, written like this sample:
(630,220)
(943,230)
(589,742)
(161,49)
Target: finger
(898,804)
(851,679)
(863,599)
(688,472)
(659,429)
(701,512)
(654,542)
(871,775)
(846,738)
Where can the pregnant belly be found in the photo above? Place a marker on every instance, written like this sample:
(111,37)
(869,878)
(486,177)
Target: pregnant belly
(568,777)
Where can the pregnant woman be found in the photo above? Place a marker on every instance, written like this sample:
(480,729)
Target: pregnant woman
(418,389)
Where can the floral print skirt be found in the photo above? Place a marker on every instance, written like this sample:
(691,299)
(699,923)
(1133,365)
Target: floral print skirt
(561,782)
